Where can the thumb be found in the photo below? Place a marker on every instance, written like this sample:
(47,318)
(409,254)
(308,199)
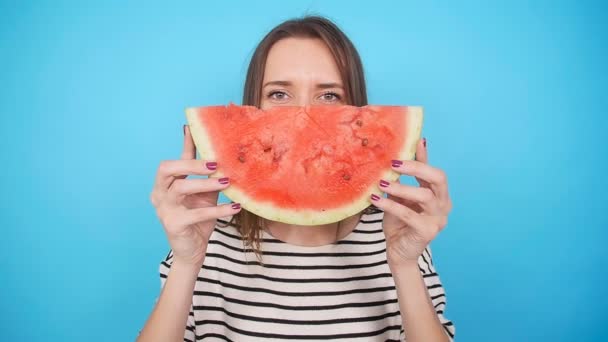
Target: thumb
(423,157)
(189,149)
(421,151)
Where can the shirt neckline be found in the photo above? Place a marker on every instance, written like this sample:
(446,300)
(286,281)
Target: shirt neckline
(271,239)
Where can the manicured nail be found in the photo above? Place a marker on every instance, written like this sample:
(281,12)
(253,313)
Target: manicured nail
(396,163)
(211,165)
(424,142)
(224,180)
(383,183)
(375,197)
(236,206)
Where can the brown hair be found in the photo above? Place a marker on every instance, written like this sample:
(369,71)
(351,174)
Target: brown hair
(351,71)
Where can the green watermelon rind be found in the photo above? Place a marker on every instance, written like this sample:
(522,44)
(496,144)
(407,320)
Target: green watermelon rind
(268,210)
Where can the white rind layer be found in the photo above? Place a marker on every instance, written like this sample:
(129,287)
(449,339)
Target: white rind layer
(268,210)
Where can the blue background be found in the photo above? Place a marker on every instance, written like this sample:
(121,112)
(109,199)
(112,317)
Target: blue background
(92,98)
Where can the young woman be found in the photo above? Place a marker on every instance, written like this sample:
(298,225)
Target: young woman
(369,277)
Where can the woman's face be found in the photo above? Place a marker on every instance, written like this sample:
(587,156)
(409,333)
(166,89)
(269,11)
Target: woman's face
(300,72)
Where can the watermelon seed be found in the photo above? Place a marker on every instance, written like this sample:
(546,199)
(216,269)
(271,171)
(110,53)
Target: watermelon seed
(242,158)
(359,123)
(267,149)
(364,142)
(346,176)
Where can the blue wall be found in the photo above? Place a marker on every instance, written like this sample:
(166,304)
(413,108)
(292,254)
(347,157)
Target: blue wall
(92,97)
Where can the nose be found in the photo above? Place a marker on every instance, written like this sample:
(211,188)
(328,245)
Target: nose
(303,102)
(303,99)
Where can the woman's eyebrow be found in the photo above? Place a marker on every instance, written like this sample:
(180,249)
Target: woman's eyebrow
(325,85)
(329,85)
(278,83)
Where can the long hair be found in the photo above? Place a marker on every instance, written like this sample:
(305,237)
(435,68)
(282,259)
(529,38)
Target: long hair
(351,71)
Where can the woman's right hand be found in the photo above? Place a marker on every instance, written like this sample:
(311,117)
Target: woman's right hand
(188,208)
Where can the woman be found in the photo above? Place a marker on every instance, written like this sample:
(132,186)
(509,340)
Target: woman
(369,277)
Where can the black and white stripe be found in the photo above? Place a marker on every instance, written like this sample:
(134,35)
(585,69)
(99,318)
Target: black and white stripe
(343,291)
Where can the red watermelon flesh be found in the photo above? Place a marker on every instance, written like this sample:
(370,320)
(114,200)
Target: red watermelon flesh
(305,165)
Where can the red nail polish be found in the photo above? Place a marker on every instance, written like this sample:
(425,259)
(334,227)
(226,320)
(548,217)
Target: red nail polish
(396,163)
(211,165)
(224,180)
(424,142)
(383,183)
(236,206)
(375,197)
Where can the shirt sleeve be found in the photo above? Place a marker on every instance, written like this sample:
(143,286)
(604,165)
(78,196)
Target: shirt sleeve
(436,292)
(165,266)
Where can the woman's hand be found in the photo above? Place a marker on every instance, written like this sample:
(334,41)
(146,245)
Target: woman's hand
(188,208)
(413,215)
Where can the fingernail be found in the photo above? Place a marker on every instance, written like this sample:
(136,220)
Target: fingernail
(224,180)
(236,206)
(383,183)
(211,165)
(375,197)
(424,142)
(184,129)
(396,163)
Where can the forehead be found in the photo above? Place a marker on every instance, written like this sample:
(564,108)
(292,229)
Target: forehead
(301,58)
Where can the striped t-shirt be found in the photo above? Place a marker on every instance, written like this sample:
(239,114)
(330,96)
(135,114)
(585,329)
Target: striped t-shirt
(342,291)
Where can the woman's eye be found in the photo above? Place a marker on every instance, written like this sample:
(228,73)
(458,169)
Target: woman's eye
(278,95)
(330,97)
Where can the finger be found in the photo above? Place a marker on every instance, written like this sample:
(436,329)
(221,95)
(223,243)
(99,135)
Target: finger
(419,170)
(169,170)
(424,197)
(408,203)
(421,151)
(441,192)
(427,176)
(183,187)
(422,156)
(405,214)
(193,216)
(189,150)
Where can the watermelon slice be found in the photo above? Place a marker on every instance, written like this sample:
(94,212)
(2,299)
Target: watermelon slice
(305,165)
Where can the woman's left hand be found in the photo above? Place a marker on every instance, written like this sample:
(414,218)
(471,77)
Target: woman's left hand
(413,215)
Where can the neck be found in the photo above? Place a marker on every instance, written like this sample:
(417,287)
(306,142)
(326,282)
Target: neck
(312,236)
